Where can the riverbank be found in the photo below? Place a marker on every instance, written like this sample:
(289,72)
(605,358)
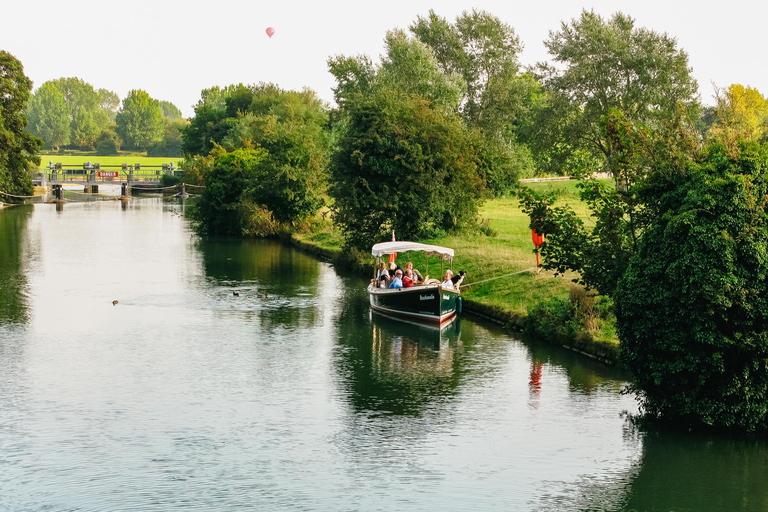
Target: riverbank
(503,283)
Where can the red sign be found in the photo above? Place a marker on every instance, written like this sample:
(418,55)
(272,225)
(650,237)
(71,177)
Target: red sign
(108,174)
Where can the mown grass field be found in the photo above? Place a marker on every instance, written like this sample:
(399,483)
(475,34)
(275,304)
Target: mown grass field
(490,258)
(77,159)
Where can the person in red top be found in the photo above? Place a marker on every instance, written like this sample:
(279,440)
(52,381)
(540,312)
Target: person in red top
(408,280)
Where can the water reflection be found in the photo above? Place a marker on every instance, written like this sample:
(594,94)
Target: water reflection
(395,367)
(690,473)
(16,250)
(276,284)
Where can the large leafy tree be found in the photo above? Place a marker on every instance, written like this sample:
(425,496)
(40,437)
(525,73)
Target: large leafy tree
(140,120)
(403,159)
(692,307)
(290,127)
(400,164)
(287,174)
(49,116)
(601,65)
(87,117)
(741,114)
(18,147)
(109,102)
(498,99)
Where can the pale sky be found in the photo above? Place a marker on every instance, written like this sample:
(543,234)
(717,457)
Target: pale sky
(173,49)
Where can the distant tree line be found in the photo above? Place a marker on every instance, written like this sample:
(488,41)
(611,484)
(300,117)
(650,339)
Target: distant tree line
(69,113)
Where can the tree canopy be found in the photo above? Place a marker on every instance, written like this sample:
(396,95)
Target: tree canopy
(400,164)
(18,147)
(497,99)
(693,304)
(139,120)
(741,114)
(403,157)
(600,65)
(49,116)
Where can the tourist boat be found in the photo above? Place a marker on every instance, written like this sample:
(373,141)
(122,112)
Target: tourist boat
(428,303)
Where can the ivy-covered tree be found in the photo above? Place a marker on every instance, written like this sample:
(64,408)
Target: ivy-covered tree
(692,307)
(18,147)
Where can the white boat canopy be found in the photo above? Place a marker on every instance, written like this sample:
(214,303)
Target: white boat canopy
(384,248)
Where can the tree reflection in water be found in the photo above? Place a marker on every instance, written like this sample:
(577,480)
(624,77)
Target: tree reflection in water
(16,250)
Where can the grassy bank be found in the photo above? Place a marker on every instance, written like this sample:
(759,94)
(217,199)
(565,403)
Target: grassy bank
(505,247)
(78,158)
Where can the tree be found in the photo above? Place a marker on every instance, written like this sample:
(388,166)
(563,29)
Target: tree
(85,129)
(290,127)
(140,120)
(18,147)
(600,65)
(741,115)
(49,116)
(619,214)
(170,111)
(693,305)
(222,208)
(109,102)
(400,164)
(170,145)
(497,99)
(403,158)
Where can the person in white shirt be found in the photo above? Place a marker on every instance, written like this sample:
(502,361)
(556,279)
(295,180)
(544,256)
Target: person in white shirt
(447,283)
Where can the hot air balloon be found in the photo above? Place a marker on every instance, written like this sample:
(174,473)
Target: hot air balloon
(270,31)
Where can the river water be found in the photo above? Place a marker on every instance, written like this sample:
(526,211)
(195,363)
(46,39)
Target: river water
(291,395)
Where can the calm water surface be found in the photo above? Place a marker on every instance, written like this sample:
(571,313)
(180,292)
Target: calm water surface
(292,396)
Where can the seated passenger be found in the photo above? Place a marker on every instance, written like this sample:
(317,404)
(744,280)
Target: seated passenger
(394,267)
(408,278)
(417,277)
(397,282)
(447,281)
(382,276)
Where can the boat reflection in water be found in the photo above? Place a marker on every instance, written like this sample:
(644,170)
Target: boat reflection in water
(410,346)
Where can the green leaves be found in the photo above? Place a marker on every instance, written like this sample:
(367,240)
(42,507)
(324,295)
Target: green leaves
(140,120)
(17,146)
(693,304)
(609,64)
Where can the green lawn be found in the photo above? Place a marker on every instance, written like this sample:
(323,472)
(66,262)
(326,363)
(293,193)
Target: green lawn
(491,257)
(77,159)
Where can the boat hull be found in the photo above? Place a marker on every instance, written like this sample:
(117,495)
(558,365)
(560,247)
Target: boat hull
(430,304)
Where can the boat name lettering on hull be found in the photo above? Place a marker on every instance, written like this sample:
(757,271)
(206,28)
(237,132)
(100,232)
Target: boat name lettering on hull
(446,297)
(426,297)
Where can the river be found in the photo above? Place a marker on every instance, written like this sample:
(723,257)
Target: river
(291,395)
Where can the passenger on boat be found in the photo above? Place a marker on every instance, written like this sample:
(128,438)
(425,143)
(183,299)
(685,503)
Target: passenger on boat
(394,267)
(447,281)
(397,281)
(382,276)
(408,278)
(417,277)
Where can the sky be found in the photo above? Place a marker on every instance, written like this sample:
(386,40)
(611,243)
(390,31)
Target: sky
(173,49)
